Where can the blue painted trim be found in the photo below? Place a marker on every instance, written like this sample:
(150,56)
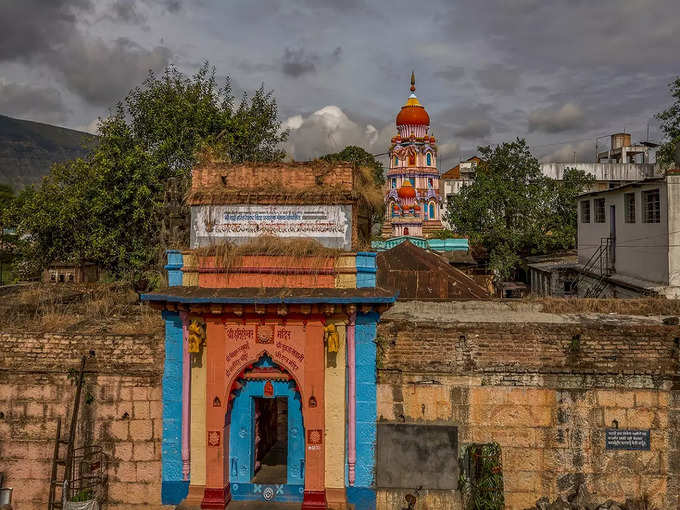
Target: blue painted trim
(172,487)
(361,497)
(174,267)
(270,300)
(253,491)
(366,410)
(241,432)
(443,245)
(173,493)
(366,269)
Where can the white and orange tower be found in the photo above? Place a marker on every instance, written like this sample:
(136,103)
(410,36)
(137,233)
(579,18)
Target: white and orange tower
(412,196)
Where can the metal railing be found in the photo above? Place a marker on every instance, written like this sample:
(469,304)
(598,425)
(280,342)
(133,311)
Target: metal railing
(599,263)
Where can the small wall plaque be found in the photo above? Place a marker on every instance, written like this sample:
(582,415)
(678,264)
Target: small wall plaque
(627,439)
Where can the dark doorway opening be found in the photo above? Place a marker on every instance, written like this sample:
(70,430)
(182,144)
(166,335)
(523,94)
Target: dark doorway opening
(271,440)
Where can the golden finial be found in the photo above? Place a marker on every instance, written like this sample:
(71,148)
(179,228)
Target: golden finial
(413,81)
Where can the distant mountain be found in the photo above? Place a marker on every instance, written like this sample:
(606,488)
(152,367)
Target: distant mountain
(28,149)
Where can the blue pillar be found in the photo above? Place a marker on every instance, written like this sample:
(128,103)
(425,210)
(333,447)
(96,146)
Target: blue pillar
(173,487)
(366,269)
(362,494)
(174,267)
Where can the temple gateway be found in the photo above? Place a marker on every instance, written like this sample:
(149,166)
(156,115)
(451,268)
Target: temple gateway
(269,386)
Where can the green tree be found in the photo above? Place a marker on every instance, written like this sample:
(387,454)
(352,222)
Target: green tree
(670,125)
(512,210)
(371,193)
(7,235)
(110,206)
(359,157)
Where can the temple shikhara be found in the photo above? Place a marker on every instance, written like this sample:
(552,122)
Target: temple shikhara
(413,202)
(269,386)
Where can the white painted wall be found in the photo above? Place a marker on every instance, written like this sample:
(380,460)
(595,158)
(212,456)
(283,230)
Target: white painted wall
(641,248)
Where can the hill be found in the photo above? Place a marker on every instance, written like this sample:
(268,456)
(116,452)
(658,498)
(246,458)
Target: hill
(28,149)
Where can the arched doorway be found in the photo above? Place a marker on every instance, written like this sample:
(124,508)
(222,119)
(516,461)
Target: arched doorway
(266,453)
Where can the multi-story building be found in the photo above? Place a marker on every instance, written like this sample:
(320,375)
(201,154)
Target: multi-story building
(412,196)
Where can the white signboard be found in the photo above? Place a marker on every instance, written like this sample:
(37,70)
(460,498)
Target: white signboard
(329,222)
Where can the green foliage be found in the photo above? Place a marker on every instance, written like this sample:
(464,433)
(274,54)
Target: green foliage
(109,207)
(83,495)
(670,125)
(512,210)
(8,238)
(481,480)
(359,157)
(444,234)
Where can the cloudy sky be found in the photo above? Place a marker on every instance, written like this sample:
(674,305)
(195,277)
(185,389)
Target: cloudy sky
(558,72)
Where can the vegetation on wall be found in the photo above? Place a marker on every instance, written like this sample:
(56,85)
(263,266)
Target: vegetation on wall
(512,210)
(109,207)
(481,479)
(670,125)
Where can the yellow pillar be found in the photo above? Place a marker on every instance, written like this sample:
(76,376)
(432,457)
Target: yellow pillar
(198,435)
(335,421)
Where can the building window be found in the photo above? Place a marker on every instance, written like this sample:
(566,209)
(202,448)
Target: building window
(396,161)
(629,207)
(394,182)
(431,210)
(651,206)
(585,211)
(429,183)
(599,210)
(429,159)
(412,180)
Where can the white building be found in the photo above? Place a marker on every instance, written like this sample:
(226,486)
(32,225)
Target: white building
(452,182)
(629,239)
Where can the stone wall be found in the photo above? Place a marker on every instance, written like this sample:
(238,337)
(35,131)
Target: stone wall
(545,391)
(125,417)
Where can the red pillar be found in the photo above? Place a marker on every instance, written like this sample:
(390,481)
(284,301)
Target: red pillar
(216,493)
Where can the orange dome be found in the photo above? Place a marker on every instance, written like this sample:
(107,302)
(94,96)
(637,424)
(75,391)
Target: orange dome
(406,190)
(413,115)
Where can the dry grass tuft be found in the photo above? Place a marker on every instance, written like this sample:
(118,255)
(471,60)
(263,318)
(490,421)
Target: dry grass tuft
(227,254)
(639,306)
(70,308)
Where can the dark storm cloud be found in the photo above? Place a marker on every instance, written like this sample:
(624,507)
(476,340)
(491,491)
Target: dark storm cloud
(173,6)
(556,120)
(48,33)
(451,73)
(474,128)
(102,73)
(25,101)
(296,62)
(127,12)
(498,78)
(31,28)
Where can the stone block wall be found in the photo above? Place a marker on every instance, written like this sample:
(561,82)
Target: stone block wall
(124,417)
(545,393)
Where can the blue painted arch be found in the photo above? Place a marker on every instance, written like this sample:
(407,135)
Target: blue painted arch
(241,433)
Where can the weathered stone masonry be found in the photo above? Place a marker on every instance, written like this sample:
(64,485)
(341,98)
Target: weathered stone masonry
(545,391)
(125,417)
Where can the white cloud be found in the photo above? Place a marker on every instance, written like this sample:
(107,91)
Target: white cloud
(328,130)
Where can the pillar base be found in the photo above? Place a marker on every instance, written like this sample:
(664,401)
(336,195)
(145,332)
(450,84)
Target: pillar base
(314,500)
(216,498)
(194,497)
(336,498)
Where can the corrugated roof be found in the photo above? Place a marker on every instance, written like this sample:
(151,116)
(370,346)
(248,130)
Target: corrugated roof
(417,273)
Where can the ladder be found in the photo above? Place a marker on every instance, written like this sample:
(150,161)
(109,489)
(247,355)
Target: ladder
(59,482)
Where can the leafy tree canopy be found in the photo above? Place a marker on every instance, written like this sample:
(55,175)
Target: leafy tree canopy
(512,210)
(358,156)
(108,207)
(670,125)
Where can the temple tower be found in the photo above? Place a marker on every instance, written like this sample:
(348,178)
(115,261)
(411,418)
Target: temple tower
(412,196)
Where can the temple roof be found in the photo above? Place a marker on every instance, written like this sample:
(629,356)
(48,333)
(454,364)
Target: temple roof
(271,295)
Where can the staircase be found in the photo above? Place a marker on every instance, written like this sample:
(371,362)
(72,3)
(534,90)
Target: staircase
(600,265)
